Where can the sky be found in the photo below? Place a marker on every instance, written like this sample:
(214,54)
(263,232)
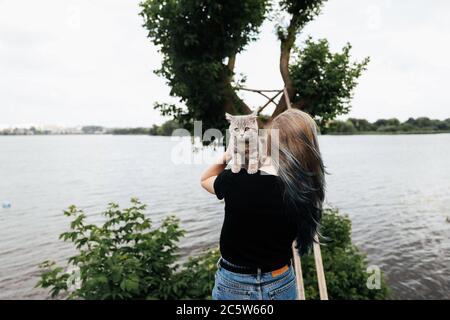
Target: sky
(82,62)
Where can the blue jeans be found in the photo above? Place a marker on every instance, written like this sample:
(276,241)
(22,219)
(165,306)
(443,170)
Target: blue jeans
(263,286)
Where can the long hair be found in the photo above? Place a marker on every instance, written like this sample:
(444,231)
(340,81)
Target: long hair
(300,168)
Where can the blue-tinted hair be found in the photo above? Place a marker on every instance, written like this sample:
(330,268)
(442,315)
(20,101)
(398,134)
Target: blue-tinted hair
(301,170)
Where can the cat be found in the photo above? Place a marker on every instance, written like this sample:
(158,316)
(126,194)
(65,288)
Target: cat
(243,130)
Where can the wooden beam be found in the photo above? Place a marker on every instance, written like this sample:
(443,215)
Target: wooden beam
(298,273)
(271,100)
(319,269)
(256,90)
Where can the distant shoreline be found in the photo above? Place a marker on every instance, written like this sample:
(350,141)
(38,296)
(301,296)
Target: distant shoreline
(369,133)
(375,133)
(351,126)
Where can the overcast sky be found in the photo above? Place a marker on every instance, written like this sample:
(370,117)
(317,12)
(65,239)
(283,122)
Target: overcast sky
(89,62)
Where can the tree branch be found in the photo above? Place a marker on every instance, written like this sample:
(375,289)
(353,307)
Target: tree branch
(231,64)
(287,44)
(233,104)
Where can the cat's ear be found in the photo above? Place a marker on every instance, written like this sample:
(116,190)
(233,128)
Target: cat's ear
(254,115)
(228,116)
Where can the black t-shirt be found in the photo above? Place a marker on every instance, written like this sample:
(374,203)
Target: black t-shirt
(256,232)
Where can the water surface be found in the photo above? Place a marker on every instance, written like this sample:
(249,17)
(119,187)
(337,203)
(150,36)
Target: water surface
(396,190)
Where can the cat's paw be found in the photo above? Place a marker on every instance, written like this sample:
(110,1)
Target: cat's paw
(252,169)
(235,168)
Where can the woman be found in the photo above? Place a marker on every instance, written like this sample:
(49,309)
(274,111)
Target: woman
(265,212)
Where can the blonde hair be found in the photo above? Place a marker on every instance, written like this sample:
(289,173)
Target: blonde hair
(300,168)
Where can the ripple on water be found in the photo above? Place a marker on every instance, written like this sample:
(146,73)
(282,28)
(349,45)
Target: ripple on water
(396,191)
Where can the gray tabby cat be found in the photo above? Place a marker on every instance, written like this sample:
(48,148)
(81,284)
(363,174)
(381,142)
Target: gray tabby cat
(243,129)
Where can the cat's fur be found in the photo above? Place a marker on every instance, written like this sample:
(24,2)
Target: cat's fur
(243,130)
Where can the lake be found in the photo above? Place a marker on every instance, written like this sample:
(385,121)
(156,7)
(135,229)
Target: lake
(396,190)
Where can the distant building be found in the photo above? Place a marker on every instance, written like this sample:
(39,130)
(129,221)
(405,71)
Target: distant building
(93,130)
(49,130)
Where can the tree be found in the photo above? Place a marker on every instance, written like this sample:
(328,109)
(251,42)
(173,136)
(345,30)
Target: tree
(167,128)
(423,122)
(195,37)
(324,81)
(444,125)
(407,127)
(393,125)
(386,122)
(361,125)
(345,127)
(200,41)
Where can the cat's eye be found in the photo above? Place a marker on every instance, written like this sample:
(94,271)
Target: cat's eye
(247,128)
(236,129)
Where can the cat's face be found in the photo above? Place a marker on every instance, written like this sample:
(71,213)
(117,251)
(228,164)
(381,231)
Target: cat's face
(243,127)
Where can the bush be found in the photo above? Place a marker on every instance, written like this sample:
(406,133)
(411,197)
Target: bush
(387,129)
(406,127)
(387,126)
(344,264)
(125,258)
(345,127)
(361,125)
(166,129)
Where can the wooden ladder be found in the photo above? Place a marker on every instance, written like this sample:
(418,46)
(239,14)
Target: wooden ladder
(323,293)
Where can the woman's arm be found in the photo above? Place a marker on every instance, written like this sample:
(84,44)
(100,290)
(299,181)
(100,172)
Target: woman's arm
(209,175)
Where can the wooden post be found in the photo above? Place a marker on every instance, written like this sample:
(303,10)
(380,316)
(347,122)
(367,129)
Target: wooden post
(319,269)
(321,281)
(298,273)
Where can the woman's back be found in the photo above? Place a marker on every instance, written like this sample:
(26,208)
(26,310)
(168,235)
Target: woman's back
(256,232)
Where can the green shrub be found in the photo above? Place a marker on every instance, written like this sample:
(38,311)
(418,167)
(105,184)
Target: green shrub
(345,127)
(387,129)
(127,258)
(344,264)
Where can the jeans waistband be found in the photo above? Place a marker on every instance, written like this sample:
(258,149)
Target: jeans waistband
(247,270)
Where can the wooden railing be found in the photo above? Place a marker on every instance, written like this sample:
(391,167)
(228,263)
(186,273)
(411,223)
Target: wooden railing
(323,292)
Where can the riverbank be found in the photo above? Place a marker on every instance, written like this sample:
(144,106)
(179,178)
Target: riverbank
(350,126)
(377,133)
(422,125)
